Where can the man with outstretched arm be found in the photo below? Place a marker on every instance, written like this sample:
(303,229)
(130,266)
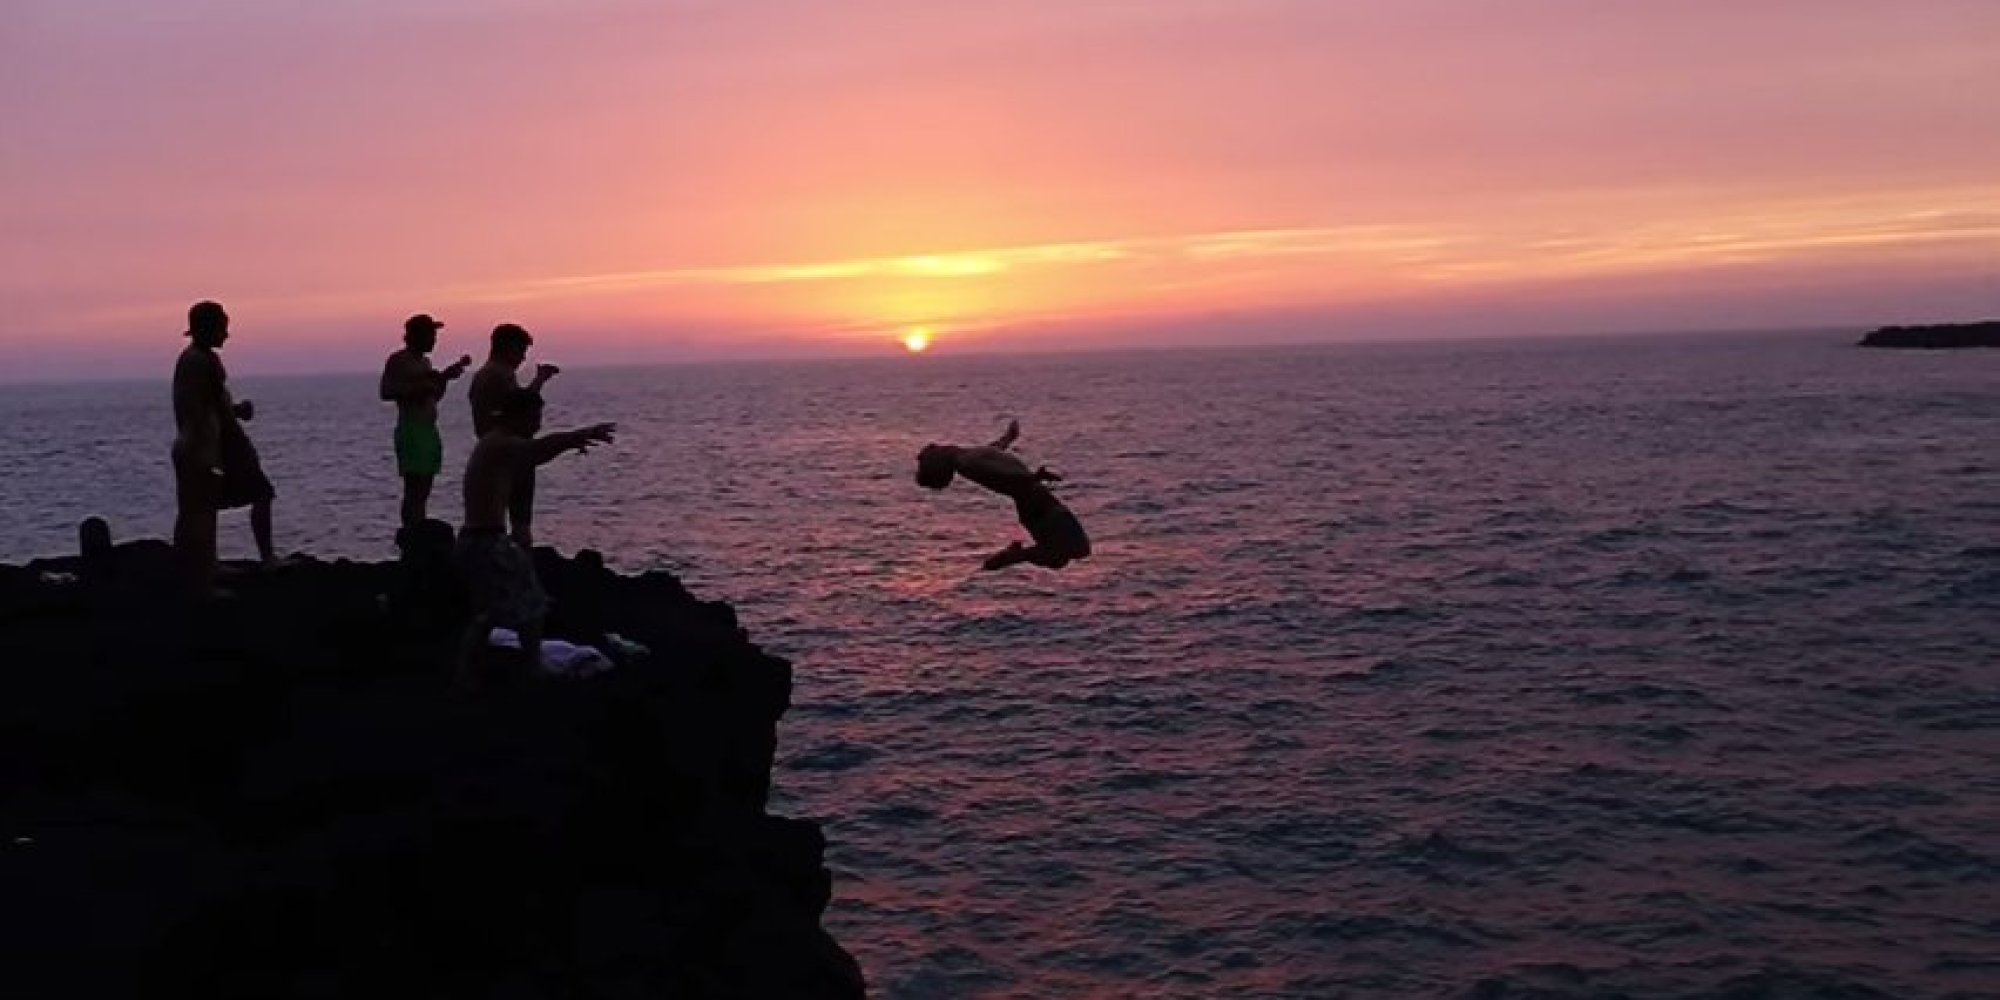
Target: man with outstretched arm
(409,381)
(499,569)
(491,384)
(1058,536)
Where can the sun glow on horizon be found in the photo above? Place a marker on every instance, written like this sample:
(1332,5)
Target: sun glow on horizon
(917,340)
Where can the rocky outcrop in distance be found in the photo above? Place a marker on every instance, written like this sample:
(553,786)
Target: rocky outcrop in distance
(1941,336)
(277,795)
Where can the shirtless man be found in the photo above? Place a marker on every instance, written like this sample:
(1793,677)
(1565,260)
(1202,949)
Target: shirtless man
(491,384)
(1059,537)
(499,569)
(409,381)
(215,466)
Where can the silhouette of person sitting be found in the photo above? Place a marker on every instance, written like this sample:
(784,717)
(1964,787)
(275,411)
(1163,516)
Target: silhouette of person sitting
(499,569)
(1058,536)
(409,381)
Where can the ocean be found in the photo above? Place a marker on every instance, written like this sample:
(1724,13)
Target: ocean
(1566,668)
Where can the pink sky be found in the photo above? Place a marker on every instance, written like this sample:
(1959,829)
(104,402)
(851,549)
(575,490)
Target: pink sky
(660,179)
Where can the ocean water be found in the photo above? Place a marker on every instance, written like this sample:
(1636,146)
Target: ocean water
(1555,669)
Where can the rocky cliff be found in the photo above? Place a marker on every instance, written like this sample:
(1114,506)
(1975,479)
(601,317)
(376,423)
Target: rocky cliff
(1940,336)
(277,795)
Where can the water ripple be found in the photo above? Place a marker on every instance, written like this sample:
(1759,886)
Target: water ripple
(1561,670)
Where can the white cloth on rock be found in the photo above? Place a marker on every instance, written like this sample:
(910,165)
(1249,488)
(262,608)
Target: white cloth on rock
(559,658)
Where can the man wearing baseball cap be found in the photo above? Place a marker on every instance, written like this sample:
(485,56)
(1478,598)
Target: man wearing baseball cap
(409,381)
(215,465)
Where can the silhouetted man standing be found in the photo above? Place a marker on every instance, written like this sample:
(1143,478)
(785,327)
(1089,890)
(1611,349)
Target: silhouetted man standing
(491,385)
(409,381)
(215,466)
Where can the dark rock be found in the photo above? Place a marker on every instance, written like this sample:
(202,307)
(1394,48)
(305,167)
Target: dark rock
(428,586)
(93,541)
(1937,337)
(277,796)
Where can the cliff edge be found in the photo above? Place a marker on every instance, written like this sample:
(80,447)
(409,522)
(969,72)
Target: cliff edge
(277,796)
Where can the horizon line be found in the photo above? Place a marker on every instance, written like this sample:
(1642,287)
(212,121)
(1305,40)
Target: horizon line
(976,352)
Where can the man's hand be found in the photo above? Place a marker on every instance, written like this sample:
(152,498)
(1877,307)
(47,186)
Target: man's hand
(550,447)
(543,373)
(597,434)
(458,367)
(244,410)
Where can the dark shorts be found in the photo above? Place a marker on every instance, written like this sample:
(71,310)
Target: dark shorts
(1058,532)
(500,576)
(243,480)
(194,484)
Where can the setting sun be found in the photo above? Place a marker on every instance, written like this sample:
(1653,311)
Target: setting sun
(918,340)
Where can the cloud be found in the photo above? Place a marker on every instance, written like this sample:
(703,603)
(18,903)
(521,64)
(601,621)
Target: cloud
(1762,231)
(1590,236)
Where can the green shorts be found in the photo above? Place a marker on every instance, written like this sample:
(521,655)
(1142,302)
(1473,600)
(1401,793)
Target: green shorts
(419,449)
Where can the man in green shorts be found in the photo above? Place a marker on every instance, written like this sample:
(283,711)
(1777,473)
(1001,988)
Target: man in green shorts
(409,381)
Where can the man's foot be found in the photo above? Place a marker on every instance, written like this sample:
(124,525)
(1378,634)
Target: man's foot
(1013,553)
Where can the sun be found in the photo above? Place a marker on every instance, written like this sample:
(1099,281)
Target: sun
(918,340)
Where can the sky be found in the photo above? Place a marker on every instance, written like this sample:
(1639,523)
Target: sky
(656,180)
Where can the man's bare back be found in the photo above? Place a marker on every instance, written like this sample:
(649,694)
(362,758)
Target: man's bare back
(490,385)
(1004,473)
(502,458)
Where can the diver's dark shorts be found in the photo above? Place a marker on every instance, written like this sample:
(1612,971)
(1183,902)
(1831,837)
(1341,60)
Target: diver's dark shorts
(1059,533)
(500,575)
